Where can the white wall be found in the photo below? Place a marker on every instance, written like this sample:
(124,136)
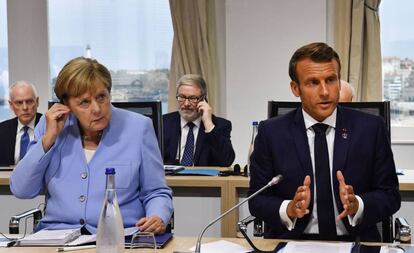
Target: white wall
(261,36)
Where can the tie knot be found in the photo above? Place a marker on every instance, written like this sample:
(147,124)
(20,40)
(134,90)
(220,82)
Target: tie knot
(190,125)
(320,128)
(25,128)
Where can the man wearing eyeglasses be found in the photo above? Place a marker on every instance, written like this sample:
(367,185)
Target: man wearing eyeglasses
(193,136)
(16,133)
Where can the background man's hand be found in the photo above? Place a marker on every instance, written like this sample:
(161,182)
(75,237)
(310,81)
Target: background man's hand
(206,114)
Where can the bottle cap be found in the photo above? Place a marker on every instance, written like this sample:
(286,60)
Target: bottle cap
(109,171)
(255,123)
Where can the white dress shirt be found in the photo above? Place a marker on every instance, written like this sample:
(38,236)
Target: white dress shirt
(20,132)
(312,227)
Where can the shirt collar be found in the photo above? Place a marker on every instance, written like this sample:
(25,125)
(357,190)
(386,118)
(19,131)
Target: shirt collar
(196,122)
(309,121)
(31,125)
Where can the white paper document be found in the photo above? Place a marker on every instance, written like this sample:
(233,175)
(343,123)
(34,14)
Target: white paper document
(317,247)
(222,246)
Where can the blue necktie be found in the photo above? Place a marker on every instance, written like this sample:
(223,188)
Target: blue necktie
(326,215)
(187,159)
(24,142)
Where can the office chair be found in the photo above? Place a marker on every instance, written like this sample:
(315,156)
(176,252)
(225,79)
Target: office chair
(278,108)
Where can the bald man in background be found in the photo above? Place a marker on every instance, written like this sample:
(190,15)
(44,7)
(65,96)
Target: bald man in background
(16,133)
(347,92)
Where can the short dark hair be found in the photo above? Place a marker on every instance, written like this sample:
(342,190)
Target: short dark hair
(317,52)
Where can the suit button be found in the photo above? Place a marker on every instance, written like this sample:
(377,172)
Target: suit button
(82,221)
(84,175)
(82,198)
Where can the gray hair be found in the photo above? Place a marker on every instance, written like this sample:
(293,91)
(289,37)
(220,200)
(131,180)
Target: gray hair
(22,83)
(193,80)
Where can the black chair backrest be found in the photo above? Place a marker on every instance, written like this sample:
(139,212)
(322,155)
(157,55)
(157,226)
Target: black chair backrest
(278,108)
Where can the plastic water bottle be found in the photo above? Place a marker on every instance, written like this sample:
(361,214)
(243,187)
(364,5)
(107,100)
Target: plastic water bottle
(110,235)
(255,125)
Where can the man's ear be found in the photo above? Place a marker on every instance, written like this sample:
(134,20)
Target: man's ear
(295,88)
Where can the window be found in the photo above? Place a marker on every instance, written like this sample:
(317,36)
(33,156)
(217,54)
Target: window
(132,38)
(4,63)
(397,39)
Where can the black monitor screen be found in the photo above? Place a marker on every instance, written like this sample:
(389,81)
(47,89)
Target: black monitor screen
(277,108)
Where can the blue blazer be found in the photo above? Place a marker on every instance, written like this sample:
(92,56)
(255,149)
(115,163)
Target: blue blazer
(212,149)
(362,152)
(8,132)
(75,188)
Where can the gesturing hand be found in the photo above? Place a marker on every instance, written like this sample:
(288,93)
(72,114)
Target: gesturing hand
(298,207)
(349,201)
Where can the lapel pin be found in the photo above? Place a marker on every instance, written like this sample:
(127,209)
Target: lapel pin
(344,133)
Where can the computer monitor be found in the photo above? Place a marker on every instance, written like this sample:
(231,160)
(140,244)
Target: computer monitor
(151,109)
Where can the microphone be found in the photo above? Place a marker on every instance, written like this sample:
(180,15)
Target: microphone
(272,182)
(15,220)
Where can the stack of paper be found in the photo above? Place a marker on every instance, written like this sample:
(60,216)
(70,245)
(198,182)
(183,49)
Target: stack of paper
(50,237)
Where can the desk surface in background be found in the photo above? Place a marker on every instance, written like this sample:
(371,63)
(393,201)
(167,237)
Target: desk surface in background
(406,181)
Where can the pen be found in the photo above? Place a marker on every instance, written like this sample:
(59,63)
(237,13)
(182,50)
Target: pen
(72,248)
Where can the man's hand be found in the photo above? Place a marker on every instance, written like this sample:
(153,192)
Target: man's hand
(349,201)
(298,207)
(152,224)
(206,114)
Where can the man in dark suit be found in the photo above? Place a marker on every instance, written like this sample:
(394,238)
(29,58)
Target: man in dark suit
(337,163)
(16,133)
(193,136)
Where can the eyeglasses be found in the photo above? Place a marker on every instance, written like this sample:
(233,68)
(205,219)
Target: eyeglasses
(192,100)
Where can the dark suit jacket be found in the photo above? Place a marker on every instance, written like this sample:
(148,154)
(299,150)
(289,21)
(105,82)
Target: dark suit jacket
(8,132)
(362,152)
(212,149)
